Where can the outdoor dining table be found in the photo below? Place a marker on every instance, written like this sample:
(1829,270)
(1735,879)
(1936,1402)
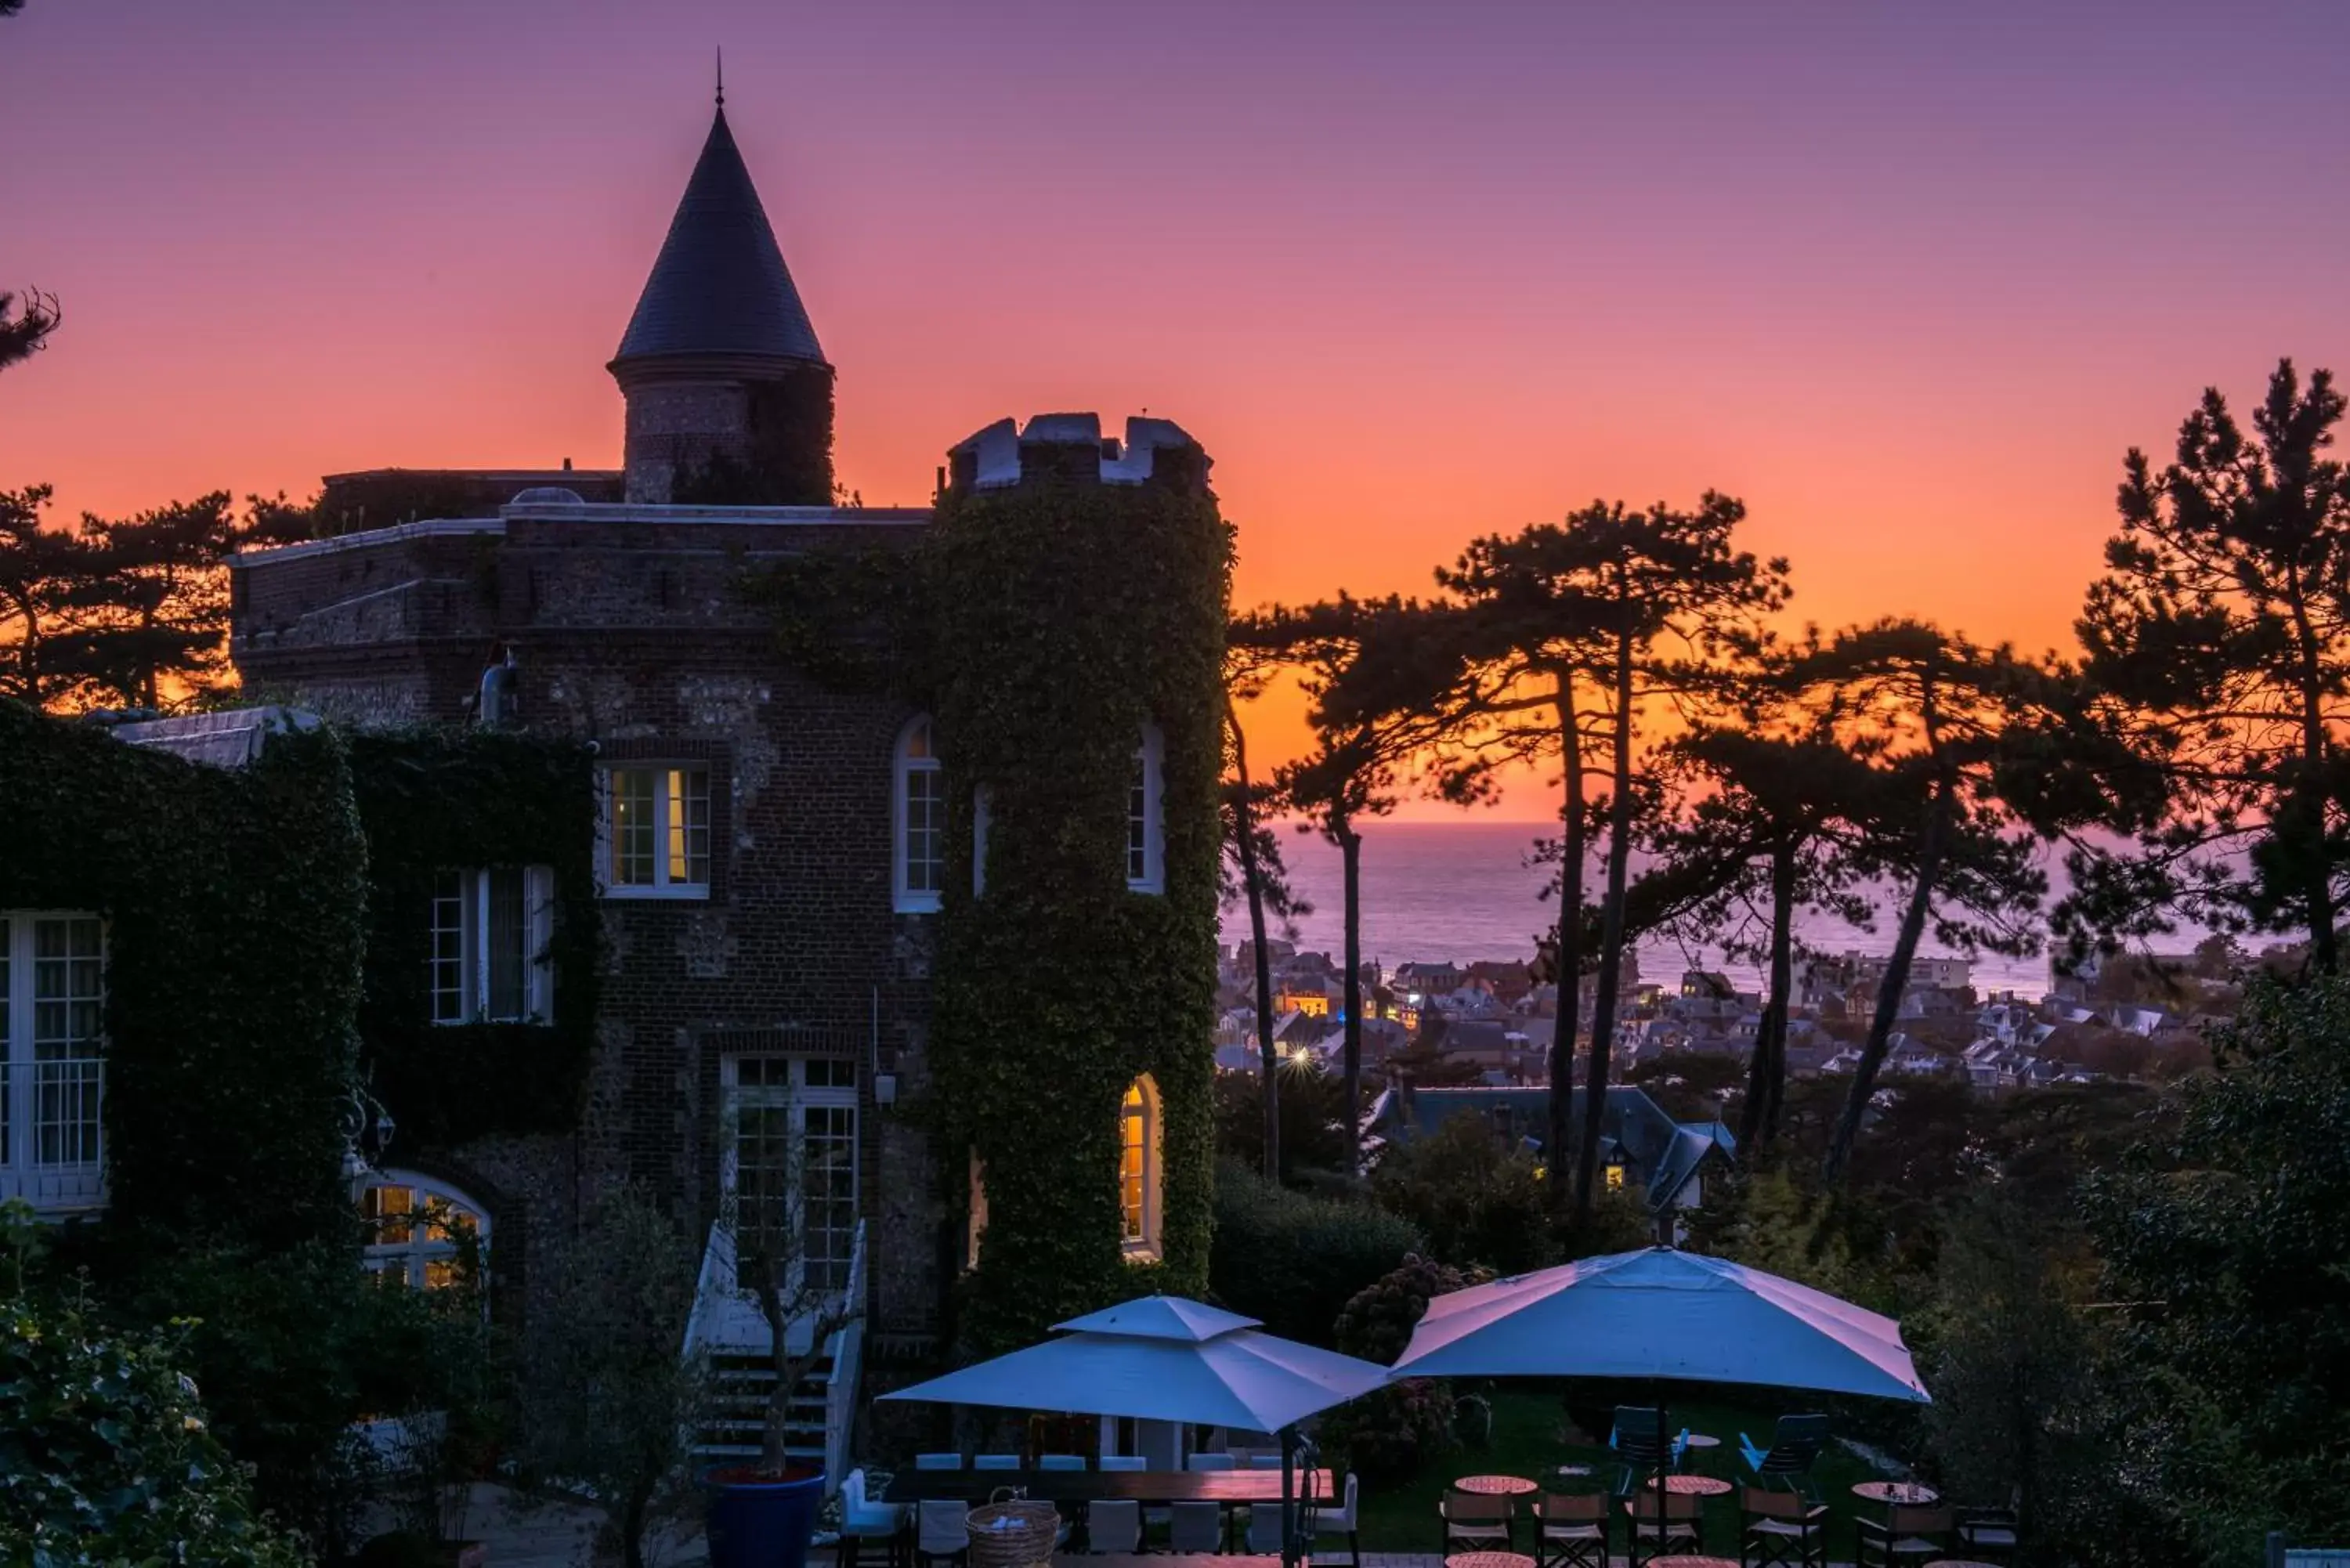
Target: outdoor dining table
(1910,1494)
(1697,1486)
(1497,1486)
(1488,1560)
(1235,1487)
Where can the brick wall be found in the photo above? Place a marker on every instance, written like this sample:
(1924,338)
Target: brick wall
(626,629)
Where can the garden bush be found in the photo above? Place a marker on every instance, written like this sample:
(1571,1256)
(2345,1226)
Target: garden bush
(106,1455)
(1388,1434)
(1295,1261)
(1479,1202)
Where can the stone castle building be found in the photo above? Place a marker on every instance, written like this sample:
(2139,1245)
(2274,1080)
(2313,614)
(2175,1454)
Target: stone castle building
(771,852)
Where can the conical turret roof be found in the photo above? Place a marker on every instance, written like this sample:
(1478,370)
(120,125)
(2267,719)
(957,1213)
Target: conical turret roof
(720,285)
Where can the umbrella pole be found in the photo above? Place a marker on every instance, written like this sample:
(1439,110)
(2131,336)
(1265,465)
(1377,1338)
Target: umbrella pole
(1289,1522)
(1663,1450)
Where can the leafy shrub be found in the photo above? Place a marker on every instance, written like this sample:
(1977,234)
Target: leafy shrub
(1390,1432)
(105,1457)
(1376,1323)
(1478,1201)
(1295,1261)
(291,1346)
(1313,1123)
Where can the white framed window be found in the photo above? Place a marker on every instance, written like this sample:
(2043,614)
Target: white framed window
(52,1058)
(919,810)
(491,933)
(1146,850)
(654,827)
(791,1156)
(418,1230)
(1138,1182)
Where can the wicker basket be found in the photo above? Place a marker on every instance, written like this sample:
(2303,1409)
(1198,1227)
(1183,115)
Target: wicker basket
(1012,1533)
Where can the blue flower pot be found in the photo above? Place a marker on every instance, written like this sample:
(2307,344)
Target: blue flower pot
(757,1523)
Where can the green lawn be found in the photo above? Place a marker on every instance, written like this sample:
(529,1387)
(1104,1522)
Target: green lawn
(1530,1437)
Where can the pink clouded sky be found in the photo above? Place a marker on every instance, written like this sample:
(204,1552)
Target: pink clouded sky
(1908,279)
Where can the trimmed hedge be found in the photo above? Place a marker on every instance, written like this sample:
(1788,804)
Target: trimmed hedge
(1296,1261)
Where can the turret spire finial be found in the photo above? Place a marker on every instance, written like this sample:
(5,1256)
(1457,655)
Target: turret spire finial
(722,76)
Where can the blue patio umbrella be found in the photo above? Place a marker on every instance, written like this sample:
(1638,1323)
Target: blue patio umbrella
(1662,1313)
(1163,1358)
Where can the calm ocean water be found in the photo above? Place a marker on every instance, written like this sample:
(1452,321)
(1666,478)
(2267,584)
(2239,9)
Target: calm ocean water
(1456,891)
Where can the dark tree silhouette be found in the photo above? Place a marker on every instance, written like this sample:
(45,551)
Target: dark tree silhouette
(1374,671)
(152,608)
(1980,750)
(2220,630)
(1630,598)
(25,328)
(1769,822)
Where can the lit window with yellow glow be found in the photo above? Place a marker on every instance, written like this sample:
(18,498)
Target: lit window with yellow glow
(656,831)
(1137,1170)
(421,1233)
(1614,1178)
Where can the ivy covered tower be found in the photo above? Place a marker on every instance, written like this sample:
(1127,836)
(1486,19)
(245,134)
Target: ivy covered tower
(730,398)
(1080,586)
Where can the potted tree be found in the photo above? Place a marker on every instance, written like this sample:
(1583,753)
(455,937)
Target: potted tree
(763,1515)
(608,1405)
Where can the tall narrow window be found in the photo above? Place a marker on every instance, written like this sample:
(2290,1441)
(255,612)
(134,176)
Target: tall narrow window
(791,1159)
(921,821)
(52,1059)
(982,818)
(656,831)
(1144,849)
(1137,1170)
(491,932)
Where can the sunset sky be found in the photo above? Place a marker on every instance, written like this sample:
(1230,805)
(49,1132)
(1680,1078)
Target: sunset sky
(1908,279)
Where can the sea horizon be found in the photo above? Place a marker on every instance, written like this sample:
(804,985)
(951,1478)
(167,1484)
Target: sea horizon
(1438,891)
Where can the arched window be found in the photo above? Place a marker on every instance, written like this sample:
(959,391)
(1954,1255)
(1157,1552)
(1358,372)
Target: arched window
(419,1228)
(1146,848)
(1138,1170)
(920,810)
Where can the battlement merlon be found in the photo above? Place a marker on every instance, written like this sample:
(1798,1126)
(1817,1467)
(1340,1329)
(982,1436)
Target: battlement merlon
(1072,447)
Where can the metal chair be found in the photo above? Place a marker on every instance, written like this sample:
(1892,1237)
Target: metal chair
(1571,1529)
(1061,1462)
(939,1531)
(996,1462)
(1476,1521)
(1680,1525)
(861,1521)
(1988,1535)
(1773,1524)
(1114,1526)
(1195,1527)
(937,1461)
(1908,1533)
(1264,1529)
(1634,1439)
(1795,1443)
(1347,1520)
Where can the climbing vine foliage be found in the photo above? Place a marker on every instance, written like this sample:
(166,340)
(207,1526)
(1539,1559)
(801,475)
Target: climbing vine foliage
(1044,627)
(437,801)
(233,901)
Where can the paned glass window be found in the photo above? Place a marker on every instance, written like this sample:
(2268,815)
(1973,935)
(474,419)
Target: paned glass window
(491,933)
(921,812)
(792,1161)
(419,1231)
(656,831)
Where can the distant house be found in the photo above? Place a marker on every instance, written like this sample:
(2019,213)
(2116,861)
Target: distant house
(1640,1143)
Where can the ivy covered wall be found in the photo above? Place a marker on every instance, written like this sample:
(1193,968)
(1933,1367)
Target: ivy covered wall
(233,902)
(432,800)
(1065,615)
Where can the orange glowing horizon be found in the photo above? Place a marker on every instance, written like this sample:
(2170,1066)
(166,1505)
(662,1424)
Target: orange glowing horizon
(1910,285)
